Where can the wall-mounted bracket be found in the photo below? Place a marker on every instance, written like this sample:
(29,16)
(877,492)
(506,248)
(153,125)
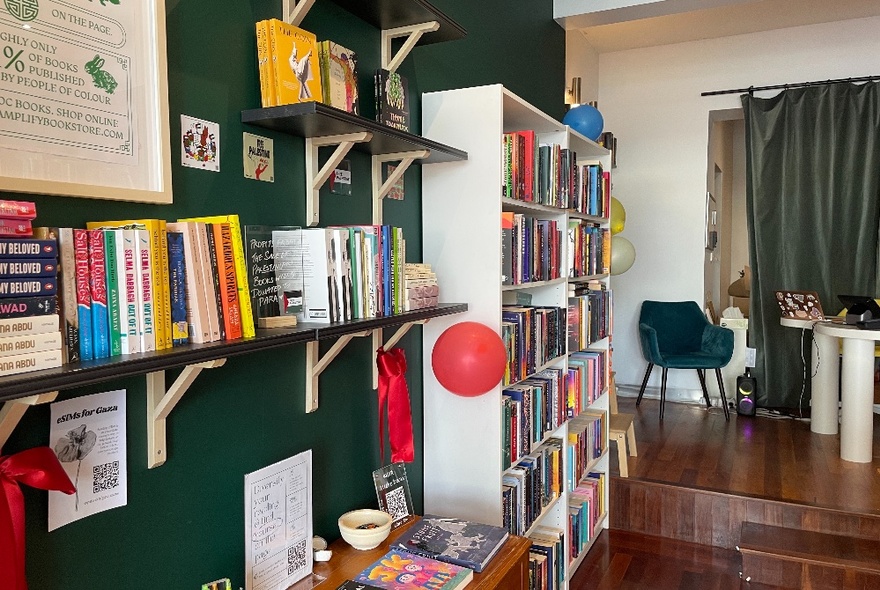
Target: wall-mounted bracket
(413,34)
(295,12)
(316,178)
(377,343)
(160,402)
(315,365)
(381,189)
(13,411)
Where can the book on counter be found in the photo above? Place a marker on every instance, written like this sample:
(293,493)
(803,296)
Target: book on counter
(453,540)
(352,585)
(400,570)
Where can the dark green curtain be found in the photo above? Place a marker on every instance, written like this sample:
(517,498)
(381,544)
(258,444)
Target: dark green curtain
(813,206)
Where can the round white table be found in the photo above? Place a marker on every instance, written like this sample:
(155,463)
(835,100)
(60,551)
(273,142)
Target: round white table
(856,385)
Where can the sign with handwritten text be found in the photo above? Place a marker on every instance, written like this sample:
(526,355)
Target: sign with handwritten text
(278,523)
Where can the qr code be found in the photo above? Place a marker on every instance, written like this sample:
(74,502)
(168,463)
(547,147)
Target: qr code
(105,477)
(296,557)
(397,506)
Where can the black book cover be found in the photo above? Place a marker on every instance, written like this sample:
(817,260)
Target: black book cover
(453,540)
(392,100)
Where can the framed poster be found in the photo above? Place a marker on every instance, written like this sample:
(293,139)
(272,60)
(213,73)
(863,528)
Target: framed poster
(84,99)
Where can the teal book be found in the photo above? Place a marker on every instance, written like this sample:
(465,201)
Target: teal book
(112,272)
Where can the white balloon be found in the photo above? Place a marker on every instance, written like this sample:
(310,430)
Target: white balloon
(623,255)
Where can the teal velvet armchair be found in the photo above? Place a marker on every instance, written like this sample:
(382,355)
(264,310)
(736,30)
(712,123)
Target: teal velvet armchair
(677,335)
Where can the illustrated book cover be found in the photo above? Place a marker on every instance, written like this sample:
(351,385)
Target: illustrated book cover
(453,540)
(352,585)
(295,67)
(392,100)
(339,76)
(392,490)
(399,570)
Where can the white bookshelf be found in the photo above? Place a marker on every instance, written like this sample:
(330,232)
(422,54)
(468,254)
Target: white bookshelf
(461,220)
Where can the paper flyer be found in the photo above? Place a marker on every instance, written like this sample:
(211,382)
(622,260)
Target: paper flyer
(200,144)
(278,524)
(259,159)
(88,436)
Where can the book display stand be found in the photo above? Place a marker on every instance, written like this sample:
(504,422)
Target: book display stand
(462,208)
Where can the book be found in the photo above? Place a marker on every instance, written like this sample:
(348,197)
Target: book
(392,491)
(392,100)
(114,300)
(98,291)
(196,302)
(228,287)
(18,209)
(177,284)
(30,343)
(34,361)
(287,260)
(21,307)
(352,585)
(294,63)
(28,267)
(339,76)
(319,285)
(67,291)
(25,248)
(145,289)
(129,307)
(83,294)
(453,540)
(399,570)
(33,325)
(264,59)
(214,272)
(20,228)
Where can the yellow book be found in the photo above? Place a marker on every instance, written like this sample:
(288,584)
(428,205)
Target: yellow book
(241,273)
(264,58)
(295,64)
(159,273)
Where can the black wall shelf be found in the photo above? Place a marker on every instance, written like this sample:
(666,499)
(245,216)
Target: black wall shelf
(390,14)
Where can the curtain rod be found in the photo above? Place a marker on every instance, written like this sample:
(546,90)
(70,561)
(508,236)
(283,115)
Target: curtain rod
(753,89)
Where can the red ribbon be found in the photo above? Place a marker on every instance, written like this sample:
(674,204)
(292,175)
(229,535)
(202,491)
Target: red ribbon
(393,390)
(38,468)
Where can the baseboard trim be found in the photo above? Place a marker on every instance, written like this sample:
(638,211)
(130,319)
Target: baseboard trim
(673,394)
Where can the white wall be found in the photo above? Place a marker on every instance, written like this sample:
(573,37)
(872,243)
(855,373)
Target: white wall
(650,98)
(581,60)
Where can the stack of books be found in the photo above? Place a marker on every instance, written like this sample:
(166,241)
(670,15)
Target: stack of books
(422,289)
(30,338)
(16,217)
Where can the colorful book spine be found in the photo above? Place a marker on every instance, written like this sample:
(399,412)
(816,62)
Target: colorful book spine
(33,325)
(214,272)
(196,310)
(163,287)
(18,209)
(264,61)
(98,293)
(147,315)
(28,267)
(35,361)
(177,285)
(30,343)
(131,340)
(228,286)
(67,288)
(114,319)
(28,287)
(21,307)
(24,248)
(83,294)
(20,228)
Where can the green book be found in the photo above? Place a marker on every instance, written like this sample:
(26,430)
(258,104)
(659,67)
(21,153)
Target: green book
(113,292)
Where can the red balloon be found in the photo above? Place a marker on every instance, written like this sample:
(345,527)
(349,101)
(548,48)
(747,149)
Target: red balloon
(469,359)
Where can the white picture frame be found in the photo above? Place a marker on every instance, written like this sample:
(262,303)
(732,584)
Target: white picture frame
(96,127)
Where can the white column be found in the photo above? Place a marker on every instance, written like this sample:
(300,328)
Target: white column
(857,391)
(826,375)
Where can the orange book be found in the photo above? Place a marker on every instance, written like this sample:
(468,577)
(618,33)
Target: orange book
(228,283)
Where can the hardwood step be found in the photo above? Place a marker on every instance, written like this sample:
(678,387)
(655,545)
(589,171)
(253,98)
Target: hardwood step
(807,559)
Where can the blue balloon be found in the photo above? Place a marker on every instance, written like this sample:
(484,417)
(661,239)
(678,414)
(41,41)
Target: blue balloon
(586,120)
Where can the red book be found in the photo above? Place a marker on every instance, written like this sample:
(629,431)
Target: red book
(18,209)
(18,228)
(228,283)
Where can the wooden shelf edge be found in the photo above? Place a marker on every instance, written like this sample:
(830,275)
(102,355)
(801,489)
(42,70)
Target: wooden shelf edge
(98,371)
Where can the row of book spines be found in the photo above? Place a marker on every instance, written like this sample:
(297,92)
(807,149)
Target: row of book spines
(586,379)
(586,442)
(29,344)
(542,400)
(589,249)
(523,494)
(589,318)
(530,249)
(586,507)
(546,562)
(538,336)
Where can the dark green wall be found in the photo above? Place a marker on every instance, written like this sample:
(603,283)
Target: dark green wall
(184,521)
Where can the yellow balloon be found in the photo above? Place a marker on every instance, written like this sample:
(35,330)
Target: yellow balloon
(623,255)
(618,216)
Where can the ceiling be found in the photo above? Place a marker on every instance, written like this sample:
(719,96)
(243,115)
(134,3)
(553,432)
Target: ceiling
(616,25)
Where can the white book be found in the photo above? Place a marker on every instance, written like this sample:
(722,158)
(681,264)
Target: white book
(146,292)
(41,324)
(342,273)
(357,273)
(318,281)
(196,311)
(129,274)
(34,361)
(30,343)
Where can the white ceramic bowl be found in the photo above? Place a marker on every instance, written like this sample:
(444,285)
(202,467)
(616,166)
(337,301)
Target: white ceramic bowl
(369,537)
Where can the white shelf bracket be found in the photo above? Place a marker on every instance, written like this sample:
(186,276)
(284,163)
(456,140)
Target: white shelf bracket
(13,411)
(381,189)
(160,402)
(316,178)
(377,343)
(315,365)
(295,12)
(413,34)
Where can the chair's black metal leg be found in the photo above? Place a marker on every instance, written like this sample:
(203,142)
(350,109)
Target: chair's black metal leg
(702,376)
(644,383)
(663,393)
(723,397)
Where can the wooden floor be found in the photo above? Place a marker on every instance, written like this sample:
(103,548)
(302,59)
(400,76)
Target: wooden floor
(777,459)
(759,457)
